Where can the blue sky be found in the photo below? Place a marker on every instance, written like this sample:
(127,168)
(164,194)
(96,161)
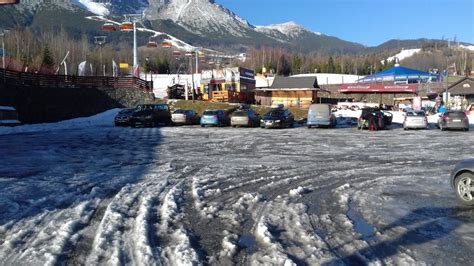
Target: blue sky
(369,22)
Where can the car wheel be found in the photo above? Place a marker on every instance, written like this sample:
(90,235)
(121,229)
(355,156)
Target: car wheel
(464,185)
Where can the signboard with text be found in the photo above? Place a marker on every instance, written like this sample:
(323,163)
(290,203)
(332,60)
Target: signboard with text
(378,88)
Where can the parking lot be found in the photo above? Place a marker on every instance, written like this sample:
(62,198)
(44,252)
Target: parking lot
(176,195)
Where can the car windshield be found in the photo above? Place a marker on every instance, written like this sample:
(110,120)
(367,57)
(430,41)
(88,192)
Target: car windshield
(210,113)
(413,113)
(275,113)
(162,107)
(126,111)
(455,114)
(240,113)
(319,108)
(144,107)
(179,111)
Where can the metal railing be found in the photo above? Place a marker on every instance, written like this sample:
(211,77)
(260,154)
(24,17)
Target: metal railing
(62,81)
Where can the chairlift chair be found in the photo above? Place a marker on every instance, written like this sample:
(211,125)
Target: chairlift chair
(126,26)
(108,27)
(166,44)
(151,44)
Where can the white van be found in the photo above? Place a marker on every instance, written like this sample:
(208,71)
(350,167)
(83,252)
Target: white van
(321,115)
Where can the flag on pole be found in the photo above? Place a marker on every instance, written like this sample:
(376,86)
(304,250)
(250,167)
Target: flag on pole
(114,69)
(136,71)
(81,69)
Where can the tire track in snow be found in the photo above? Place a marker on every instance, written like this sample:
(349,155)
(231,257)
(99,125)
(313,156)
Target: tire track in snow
(175,236)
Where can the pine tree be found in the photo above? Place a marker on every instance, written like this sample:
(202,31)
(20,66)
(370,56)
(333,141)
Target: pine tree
(284,66)
(331,68)
(47,57)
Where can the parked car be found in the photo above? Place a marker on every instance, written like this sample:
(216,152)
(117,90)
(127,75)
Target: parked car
(415,120)
(245,117)
(151,115)
(123,117)
(9,116)
(462,181)
(320,115)
(277,118)
(215,118)
(373,119)
(185,117)
(453,119)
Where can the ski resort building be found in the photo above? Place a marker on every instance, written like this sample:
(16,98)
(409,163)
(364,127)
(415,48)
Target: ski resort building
(228,85)
(290,91)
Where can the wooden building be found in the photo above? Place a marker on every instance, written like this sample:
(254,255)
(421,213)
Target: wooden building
(290,91)
(464,87)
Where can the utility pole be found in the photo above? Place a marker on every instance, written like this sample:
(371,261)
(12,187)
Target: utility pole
(197,68)
(192,76)
(101,40)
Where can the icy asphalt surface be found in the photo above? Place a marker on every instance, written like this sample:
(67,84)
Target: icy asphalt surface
(221,196)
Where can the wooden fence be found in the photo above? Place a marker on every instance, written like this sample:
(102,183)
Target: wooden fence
(62,81)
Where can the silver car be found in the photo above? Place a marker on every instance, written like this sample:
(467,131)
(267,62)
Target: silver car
(415,120)
(245,118)
(185,117)
(462,181)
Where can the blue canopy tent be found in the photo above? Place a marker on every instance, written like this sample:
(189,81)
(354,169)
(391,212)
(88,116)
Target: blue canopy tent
(399,74)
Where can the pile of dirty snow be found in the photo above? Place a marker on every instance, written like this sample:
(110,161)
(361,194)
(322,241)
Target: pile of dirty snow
(103,119)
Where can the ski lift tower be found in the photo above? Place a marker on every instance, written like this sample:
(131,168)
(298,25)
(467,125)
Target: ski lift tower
(101,40)
(133,18)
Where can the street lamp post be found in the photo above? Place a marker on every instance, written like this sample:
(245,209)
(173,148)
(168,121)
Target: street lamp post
(101,40)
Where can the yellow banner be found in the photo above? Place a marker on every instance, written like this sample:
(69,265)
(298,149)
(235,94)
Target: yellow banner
(123,65)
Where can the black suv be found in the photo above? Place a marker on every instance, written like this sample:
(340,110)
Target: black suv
(374,119)
(151,115)
(277,118)
(123,117)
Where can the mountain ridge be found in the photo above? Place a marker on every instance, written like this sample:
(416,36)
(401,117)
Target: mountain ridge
(202,22)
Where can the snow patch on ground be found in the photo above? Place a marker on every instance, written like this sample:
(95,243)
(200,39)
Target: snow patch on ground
(96,8)
(103,119)
(405,53)
(469,47)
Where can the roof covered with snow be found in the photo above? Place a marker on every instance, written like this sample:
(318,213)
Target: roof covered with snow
(330,79)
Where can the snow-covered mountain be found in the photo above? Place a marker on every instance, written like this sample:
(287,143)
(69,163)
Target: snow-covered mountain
(199,16)
(285,30)
(202,22)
